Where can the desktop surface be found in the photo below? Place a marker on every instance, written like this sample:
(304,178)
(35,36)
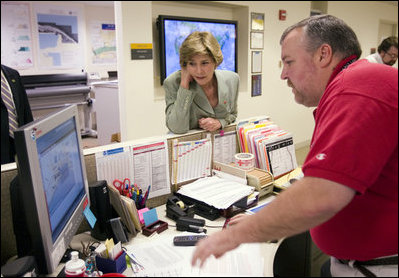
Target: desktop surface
(140,241)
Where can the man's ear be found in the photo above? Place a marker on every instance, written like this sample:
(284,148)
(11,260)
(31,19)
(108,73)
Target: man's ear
(324,55)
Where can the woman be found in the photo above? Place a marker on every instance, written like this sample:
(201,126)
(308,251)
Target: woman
(198,95)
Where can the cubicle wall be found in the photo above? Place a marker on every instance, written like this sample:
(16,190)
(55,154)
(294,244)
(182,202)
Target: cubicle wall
(8,244)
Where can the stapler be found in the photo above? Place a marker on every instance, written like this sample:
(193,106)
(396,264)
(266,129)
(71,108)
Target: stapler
(190,224)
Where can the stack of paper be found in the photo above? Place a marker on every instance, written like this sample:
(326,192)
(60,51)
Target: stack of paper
(272,146)
(215,191)
(160,258)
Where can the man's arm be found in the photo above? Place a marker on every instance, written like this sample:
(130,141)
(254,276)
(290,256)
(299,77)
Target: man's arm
(306,204)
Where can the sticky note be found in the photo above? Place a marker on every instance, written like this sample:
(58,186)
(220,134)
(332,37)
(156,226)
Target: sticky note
(90,217)
(150,217)
(140,212)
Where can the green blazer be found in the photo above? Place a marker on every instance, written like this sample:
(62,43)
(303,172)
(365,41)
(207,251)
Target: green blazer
(185,107)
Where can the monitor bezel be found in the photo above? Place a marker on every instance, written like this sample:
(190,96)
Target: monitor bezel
(47,254)
(161,31)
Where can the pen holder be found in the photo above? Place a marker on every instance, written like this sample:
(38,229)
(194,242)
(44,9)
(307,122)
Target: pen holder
(159,226)
(110,266)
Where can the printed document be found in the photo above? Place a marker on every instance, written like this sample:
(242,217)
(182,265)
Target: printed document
(215,191)
(160,258)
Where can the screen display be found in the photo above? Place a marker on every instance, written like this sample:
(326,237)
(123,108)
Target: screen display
(176,31)
(61,170)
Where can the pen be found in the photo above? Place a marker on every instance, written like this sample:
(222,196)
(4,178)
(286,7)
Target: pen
(145,196)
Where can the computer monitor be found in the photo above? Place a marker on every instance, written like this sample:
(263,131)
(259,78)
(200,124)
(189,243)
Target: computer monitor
(173,30)
(53,187)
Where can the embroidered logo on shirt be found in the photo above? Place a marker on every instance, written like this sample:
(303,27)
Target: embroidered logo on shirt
(321,156)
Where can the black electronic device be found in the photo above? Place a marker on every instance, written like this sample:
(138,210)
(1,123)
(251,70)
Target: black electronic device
(189,240)
(118,230)
(174,29)
(176,208)
(101,208)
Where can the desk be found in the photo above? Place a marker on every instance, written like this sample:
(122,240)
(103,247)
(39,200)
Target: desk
(268,249)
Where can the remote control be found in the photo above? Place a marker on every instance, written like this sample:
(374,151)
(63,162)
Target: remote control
(190,240)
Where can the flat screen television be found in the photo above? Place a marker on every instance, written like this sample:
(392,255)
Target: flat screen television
(53,186)
(174,29)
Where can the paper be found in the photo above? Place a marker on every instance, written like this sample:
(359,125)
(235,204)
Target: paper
(161,258)
(114,164)
(216,192)
(224,147)
(144,164)
(151,167)
(191,160)
(90,217)
(150,217)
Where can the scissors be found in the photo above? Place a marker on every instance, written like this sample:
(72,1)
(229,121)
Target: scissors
(124,187)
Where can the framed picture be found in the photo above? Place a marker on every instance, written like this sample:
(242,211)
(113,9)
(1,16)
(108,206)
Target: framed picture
(257,40)
(256,85)
(257,21)
(256,62)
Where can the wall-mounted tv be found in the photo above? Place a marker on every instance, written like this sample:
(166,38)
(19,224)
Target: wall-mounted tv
(174,29)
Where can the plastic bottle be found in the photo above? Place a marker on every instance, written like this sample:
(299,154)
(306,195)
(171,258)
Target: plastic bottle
(75,267)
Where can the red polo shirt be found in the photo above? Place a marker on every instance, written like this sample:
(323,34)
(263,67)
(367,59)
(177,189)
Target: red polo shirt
(355,143)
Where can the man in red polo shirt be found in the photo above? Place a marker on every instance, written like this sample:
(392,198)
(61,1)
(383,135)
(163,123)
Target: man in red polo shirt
(348,197)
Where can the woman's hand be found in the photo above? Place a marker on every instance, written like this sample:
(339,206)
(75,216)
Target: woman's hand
(186,78)
(209,124)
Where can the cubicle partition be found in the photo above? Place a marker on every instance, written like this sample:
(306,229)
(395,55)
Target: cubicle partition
(9,172)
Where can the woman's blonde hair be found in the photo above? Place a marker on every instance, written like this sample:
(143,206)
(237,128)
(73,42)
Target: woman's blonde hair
(200,43)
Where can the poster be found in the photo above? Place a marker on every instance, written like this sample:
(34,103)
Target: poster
(60,37)
(16,36)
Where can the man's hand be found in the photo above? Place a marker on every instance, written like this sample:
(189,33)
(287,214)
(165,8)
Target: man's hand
(209,124)
(217,244)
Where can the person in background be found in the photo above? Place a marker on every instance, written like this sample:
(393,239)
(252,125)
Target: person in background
(348,197)
(15,111)
(198,95)
(387,52)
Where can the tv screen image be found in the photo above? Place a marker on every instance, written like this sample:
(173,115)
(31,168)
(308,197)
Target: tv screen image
(173,30)
(53,187)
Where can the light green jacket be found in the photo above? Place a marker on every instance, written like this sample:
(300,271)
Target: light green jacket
(185,107)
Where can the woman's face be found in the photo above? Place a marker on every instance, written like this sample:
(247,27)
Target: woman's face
(201,68)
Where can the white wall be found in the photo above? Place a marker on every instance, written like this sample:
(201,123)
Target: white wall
(143,99)
(142,102)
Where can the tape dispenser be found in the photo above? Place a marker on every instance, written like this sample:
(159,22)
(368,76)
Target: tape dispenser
(175,208)
(184,216)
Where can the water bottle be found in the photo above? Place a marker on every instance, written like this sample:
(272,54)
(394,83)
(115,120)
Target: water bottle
(75,267)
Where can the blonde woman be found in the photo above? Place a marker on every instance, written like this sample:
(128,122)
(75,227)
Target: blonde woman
(199,95)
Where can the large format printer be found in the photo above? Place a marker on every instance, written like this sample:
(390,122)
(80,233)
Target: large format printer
(48,92)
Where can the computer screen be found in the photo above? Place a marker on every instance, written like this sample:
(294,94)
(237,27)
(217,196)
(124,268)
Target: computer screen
(173,30)
(53,183)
